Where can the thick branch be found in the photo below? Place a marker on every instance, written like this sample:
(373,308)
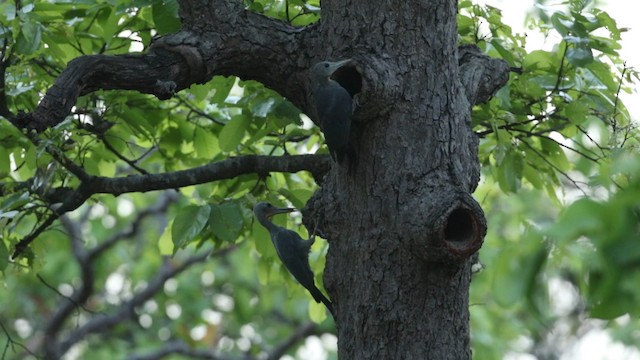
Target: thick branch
(218,38)
(160,72)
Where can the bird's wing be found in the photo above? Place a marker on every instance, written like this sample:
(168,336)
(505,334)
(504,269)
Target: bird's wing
(295,256)
(332,100)
(334,107)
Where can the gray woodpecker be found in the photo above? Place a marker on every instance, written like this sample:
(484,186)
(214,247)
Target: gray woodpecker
(334,107)
(292,250)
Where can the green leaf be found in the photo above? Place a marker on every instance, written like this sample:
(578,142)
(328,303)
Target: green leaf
(221,86)
(226,221)
(264,107)
(580,218)
(165,245)
(510,172)
(317,311)
(165,16)
(580,56)
(538,59)
(515,271)
(29,38)
(298,197)
(4,256)
(5,163)
(188,224)
(577,111)
(533,176)
(233,132)
(205,143)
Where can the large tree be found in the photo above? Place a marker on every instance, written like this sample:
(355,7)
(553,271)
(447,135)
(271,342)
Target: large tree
(401,224)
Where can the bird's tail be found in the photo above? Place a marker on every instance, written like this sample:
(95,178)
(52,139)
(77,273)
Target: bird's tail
(319,297)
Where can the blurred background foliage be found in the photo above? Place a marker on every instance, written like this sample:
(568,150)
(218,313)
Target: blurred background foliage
(560,188)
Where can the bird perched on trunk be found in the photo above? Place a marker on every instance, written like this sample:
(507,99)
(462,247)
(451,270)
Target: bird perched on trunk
(334,107)
(292,250)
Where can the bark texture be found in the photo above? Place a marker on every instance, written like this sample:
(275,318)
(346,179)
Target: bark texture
(403,226)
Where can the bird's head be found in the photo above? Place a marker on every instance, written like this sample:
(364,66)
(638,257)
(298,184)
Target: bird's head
(322,71)
(266,210)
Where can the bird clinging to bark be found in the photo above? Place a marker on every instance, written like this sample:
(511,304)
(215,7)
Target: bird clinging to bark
(292,250)
(334,107)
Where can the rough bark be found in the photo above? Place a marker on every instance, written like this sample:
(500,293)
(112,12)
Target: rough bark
(402,226)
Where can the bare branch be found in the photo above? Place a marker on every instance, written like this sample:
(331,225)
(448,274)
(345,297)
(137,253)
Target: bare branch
(131,163)
(79,297)
(179,347)
(135,227)
(127,309)
(77,198)
(301,332)
(12,343)
(160,73)
(85,258)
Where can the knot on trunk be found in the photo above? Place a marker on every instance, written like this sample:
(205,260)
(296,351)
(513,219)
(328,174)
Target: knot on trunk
(481,75)
(457,229)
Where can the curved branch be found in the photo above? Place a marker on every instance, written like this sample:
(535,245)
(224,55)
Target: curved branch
(85,260)
(262,49)
(229,168)
(160,72)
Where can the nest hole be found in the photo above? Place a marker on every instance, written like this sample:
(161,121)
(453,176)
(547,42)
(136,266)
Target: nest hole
(349,78)
(460,228)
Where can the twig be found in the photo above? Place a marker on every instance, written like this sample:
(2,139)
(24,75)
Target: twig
(11,342)
(544,158)
(124,311)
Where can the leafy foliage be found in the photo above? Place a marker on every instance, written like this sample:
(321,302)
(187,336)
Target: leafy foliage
(559,141)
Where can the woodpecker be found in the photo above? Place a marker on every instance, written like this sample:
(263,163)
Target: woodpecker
(292,250)
(334,107)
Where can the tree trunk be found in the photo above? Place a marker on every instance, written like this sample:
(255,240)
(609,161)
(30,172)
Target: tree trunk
(402,226)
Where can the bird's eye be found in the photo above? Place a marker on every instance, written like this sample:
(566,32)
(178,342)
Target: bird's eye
(326,65)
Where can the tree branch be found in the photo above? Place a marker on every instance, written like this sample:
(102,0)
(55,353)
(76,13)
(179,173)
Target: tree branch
(127,309)
(179,347)
(301,332)
(159,72)
(11,343)
(229,168)
(263,49)
(85,260)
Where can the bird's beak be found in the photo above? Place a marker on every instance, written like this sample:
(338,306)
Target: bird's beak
(281,211)
(338,64)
